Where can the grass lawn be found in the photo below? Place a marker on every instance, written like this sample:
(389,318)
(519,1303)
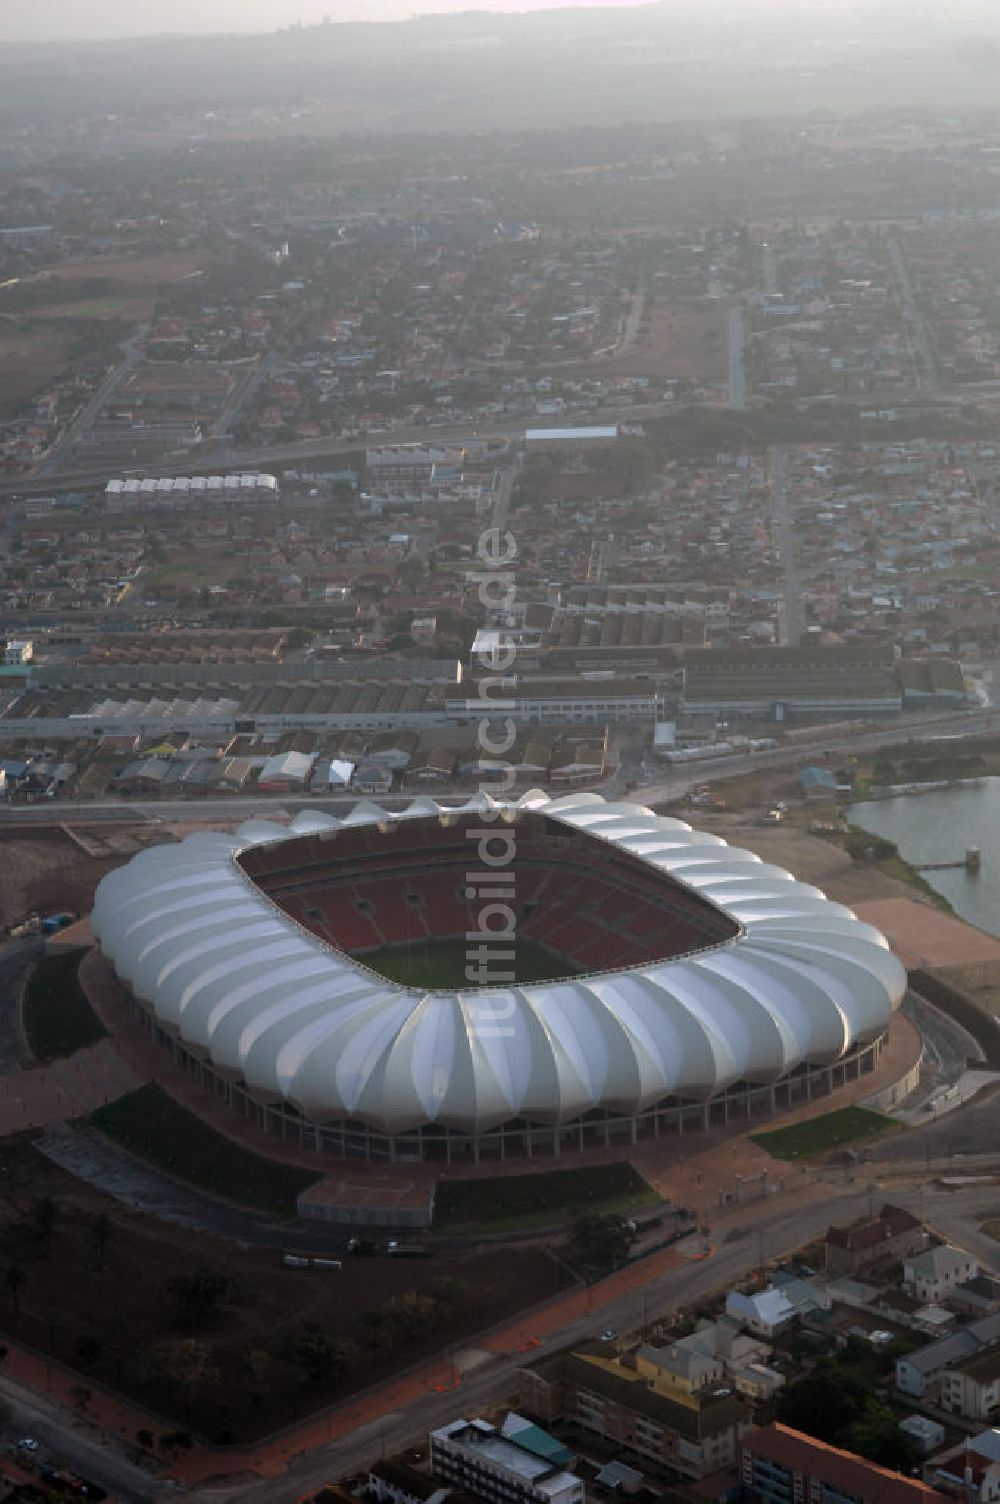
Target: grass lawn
(542,1200)
(848,1125)
(440,964)
(991,1229)
(57,1016)
(151,1124)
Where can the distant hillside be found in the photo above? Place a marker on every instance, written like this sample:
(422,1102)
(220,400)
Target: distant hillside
(671,60)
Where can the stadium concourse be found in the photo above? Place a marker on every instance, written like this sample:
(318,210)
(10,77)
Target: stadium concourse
(663,979)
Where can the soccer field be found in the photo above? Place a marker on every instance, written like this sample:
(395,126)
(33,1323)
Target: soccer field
(440,964)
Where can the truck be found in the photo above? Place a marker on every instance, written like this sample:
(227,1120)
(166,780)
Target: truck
(398,1250)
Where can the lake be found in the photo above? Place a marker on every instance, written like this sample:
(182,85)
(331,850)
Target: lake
(939,827)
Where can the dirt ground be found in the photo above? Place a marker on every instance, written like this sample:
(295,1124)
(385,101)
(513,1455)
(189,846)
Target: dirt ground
(980,981)
(48,873)
(71,1299)
(29,359)
(140,271)
(682,340)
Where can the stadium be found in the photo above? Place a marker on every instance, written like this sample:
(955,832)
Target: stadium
(493,980)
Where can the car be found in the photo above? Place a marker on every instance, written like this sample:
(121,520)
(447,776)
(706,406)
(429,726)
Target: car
(609,1334)
(27,1444)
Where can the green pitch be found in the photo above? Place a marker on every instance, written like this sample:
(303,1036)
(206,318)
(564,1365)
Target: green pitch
(439,965)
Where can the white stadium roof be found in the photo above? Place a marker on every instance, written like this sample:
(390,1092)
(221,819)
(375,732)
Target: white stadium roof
(300,1022)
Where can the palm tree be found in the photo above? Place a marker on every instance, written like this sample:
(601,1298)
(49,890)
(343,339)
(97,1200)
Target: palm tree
(14,1280)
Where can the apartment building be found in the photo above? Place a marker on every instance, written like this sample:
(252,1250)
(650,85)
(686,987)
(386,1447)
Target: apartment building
(516,1464)
(694,1434)
(778,1465)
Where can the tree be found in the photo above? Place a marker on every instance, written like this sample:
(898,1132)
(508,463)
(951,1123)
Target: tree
(145,1439)
(320,1356)
(827,1402)
(188,1364)
(411,1313)
(14,1279)
(600,1240)
(200,1292)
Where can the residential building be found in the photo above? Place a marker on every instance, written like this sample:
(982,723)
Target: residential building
(778,1465)
(893,1234)
(518,1463)
(694,1434)
(932,1275)
(972,1388)
(18,651)
(918,1372)
(764,1313)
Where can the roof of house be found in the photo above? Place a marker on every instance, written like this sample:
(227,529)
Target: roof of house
(838,1469)
(891,1222)
(769,1306)
(981,1367)
(935,1262)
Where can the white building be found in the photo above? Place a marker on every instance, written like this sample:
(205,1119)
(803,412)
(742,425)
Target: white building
(932,1275)
(520,1464)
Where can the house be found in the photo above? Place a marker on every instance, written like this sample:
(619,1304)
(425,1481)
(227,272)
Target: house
(578,761)
(431,764)
(765,1313)
(971,1470)
(818,783)
(893,1234)
(978,1296)
(371,778)
(393,1481)
(972,1388)
(285,770)
(918,1372)
(931,1276)
(777,1464)
(717,1352)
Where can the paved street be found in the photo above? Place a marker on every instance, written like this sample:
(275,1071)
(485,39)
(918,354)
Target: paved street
(776,1232)
(737,365)
(792,620)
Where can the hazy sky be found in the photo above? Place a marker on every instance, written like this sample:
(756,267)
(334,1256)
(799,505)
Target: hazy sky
(61,20)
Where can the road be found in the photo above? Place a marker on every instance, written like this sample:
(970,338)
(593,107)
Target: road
(132,347)
(769,1234)
(929,378)
(634,321)
(76,1444)
(792,619)
(16,956)
(673,785)
(737,362)
(317,450)
(243,393)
